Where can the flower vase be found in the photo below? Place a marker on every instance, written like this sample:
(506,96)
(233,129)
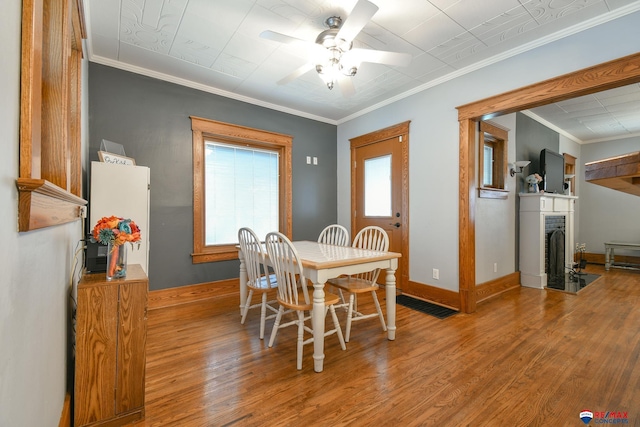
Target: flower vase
(533,188)
(116,261)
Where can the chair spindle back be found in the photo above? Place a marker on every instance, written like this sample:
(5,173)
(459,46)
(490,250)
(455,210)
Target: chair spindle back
(287,268)
(373,238)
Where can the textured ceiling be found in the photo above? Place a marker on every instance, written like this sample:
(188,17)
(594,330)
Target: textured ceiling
(215,45)
(603,116)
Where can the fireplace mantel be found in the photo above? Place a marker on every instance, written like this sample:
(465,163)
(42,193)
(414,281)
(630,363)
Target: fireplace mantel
(534,208)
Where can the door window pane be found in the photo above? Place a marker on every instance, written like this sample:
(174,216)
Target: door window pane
(377,186)
(241,190)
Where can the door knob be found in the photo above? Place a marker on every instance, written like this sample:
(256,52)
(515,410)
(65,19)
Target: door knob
(397,224)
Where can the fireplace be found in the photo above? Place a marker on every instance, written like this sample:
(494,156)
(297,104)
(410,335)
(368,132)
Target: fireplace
(554,249)
(546,238)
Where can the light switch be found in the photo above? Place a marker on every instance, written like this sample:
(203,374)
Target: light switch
(315,160)
(308,160)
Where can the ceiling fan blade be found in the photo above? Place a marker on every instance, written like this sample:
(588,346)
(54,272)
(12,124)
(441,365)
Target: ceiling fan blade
(297,73)
(282,38)
(361,14)
(346,86)
(379,57)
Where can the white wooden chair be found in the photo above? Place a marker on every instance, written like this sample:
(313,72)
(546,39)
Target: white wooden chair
(257,281)
(294,295)
(373,238)
(334,234)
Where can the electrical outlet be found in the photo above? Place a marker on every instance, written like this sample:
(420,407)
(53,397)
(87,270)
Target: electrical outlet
(82,212)
(308,160)
(495,267)
(315,161)
(436,274)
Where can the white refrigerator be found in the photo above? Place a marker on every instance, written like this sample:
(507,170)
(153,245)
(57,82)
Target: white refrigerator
(123,191)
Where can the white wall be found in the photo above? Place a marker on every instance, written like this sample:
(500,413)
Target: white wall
(434,140)
(571,147)
(606,214)
(35,272)
(496,240)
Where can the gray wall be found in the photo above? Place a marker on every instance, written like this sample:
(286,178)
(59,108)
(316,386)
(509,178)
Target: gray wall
(533,137)
(151,119)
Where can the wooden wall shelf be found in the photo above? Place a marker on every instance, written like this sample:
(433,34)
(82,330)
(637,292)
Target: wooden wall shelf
(43,204)
(620,173)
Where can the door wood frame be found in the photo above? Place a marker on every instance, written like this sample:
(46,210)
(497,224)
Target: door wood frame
(400,129)
(620,72)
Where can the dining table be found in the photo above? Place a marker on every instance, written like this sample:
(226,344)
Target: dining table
(321,262)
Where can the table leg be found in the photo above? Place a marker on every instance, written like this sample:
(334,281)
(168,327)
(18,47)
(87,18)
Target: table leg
(390,287)
(607,258)
(317,319)
(243,282)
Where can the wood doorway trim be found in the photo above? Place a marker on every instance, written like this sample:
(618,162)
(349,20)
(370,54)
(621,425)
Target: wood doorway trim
(399,130)
(620,72)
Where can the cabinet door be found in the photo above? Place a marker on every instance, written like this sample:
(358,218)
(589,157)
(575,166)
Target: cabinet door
(96,337)
(132,338)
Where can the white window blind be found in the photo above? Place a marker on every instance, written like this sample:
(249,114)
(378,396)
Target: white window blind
(241,190)
(487,168)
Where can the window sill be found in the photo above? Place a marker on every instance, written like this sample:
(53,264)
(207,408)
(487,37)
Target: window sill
(43,204)
(493,193)
(223,255)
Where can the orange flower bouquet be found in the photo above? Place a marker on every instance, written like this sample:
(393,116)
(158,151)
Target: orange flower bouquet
(114,232)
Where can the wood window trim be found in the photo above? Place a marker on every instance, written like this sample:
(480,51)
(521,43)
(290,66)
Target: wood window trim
(619,72)
(203,129)
(50,178)
(499,140)
(570,169)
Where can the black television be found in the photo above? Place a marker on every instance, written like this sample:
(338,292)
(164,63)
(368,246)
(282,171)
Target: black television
(552,171)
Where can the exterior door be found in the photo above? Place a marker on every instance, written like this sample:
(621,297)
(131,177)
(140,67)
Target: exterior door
(379,190)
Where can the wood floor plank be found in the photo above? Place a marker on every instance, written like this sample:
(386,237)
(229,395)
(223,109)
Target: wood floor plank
(527,357)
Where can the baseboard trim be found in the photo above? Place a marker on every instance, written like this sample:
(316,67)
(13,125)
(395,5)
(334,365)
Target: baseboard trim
(590,257)
(492,288)
(185,294)
(599,258)
(443,297)
(65,417)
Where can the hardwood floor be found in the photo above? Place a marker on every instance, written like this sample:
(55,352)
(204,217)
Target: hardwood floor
(526,358)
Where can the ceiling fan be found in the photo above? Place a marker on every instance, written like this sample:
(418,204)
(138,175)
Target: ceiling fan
(332,53)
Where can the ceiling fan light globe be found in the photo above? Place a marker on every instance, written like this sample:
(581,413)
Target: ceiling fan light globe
(350,71)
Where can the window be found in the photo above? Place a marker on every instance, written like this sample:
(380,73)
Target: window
(377,186)
(493,161)
(487,176)
(241,189)
(241,178)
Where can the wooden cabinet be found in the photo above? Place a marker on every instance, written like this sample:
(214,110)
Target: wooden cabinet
(111,335)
